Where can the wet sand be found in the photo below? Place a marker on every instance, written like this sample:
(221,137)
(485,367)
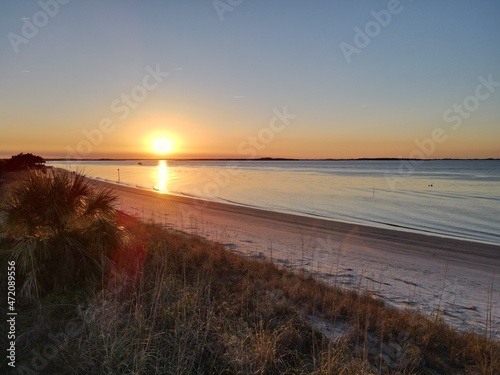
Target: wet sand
(434,275)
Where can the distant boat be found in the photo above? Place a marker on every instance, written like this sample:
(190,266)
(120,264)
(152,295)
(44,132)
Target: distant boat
(139,163)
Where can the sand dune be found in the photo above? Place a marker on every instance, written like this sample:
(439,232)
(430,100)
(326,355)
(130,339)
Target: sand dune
(453,278)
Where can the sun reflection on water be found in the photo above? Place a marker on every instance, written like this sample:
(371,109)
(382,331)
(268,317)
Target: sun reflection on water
(161,176)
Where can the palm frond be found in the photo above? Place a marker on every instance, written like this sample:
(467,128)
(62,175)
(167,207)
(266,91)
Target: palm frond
(65,230)
(101,204)
(31,255)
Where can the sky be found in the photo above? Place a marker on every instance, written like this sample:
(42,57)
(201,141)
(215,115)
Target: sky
(250,79)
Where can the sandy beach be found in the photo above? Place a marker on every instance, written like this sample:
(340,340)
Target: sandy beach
(457,280)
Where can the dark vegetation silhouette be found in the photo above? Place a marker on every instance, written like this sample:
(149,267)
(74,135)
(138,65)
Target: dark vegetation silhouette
(21,162)
(63,231)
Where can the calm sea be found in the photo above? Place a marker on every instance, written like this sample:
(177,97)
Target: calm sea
(454,198)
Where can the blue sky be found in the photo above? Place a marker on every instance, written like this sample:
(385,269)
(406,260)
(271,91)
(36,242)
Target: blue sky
(227,76)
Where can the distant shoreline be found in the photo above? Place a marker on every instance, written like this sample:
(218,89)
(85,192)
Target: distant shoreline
(269,159)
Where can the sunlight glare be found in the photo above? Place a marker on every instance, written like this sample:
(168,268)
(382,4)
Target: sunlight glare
(162,176)
(162,145)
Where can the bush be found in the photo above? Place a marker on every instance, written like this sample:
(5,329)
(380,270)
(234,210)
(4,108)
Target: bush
(23,162)
(64,231)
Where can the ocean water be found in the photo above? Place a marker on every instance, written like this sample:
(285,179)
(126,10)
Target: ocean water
(453,198)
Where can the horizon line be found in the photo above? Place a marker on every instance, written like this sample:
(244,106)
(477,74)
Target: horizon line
(263,159)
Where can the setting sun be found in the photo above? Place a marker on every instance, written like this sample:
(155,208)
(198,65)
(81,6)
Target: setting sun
(162,145)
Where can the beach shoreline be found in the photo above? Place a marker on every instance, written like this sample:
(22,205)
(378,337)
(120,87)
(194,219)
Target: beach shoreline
(461,203)
(430,274)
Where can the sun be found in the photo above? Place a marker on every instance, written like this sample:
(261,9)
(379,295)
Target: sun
(162,145)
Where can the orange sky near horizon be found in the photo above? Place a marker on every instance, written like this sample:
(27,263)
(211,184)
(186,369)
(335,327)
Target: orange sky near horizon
(221,87)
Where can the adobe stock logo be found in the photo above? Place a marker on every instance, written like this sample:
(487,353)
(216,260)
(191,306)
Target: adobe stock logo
(254,144)
(248,148)
(363,37)
(471,104)
(222,7)
(122,107)
(455,116)
(31,26)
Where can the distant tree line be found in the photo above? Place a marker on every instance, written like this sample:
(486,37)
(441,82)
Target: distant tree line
(22,162)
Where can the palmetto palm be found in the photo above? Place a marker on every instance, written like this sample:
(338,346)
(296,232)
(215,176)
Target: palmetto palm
(65,231)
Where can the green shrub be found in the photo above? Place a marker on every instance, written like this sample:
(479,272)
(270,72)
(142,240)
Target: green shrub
(64,231)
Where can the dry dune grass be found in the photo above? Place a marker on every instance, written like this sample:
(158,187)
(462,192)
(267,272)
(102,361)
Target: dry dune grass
(178,304)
